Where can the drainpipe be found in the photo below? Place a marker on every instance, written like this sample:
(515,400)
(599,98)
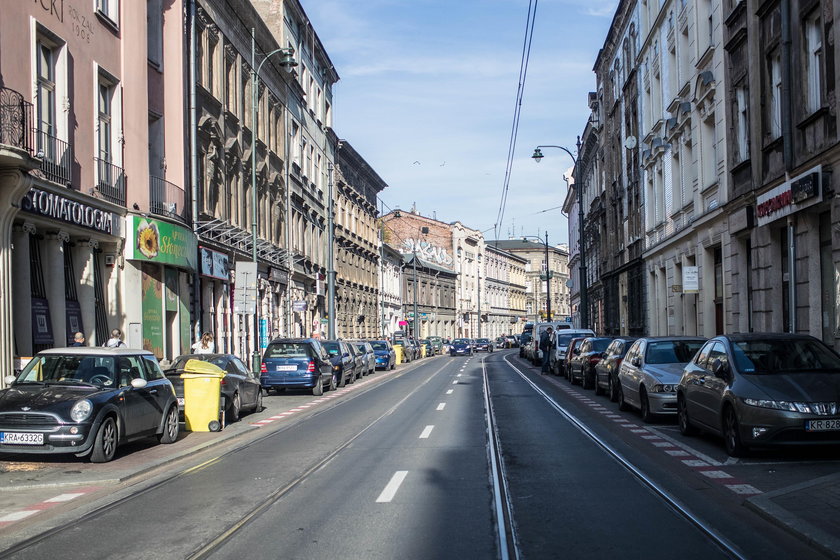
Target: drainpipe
(787,86)
(194,171)
(791,238)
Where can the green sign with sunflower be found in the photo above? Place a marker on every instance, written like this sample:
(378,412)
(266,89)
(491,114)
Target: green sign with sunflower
(161,242)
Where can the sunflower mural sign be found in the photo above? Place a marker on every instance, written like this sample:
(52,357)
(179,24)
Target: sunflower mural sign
(161,242)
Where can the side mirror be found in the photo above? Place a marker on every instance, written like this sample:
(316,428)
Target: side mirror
(576,351)
(636,361)
(9,379)
(720,369)
(138,383)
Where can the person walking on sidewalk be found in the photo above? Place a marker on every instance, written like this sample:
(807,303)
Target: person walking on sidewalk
(205,345)
(546,347)
(116,340)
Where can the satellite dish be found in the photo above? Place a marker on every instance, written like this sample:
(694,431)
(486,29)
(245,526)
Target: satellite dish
(630,142)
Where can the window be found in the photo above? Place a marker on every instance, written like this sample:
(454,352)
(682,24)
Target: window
(105,118)
(230,84)
(212,51)
(774,73)
(45,92)
(742,124)
(110,9)
(813,62)
(154,32)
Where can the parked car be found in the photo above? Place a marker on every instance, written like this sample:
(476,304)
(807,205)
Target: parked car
(759,390)
(296,363)
(649,373)
(606,370)
(582,363)
(461,347)
(426,343)
(574,345)
(483,345)
(524,345)
(87,401)
(366,349)
(343,360)
(385,355)
(561,347)
(536,356)
(408,351)
(511,342)
(417,350)
(437,343)
(241,388)
(359,360)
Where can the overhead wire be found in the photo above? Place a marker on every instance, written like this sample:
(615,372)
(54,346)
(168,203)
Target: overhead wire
(520,92)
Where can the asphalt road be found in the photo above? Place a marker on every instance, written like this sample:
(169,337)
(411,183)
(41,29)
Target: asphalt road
(402,470)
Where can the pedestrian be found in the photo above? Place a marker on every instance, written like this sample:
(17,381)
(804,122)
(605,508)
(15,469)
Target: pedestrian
(116,340)
(205,344)
(78,339)
(546,346)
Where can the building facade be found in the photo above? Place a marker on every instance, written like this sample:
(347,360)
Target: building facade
(505,291)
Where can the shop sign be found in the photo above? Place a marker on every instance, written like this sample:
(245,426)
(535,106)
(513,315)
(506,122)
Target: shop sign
(691,280)
(299,306)
(789,197)
(41,323)
(64,209)
(214,264)
(161,242)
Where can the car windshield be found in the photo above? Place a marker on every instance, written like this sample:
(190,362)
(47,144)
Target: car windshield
(672,351)
(287,350)
(564,339)
(379,345)
(332,348)
(460,341)
(483,341)
(362,348)
(71,369)
(399,342)
(784,356)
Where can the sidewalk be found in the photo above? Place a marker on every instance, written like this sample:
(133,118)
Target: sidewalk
(810,510)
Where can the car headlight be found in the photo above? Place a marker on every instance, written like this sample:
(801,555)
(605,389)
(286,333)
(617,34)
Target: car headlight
(660,388)
(81,410)
(781,405)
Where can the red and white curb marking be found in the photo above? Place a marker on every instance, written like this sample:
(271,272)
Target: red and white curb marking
(8,518)
(702,464)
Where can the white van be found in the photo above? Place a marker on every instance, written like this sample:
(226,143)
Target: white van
(563,337)
(539,328)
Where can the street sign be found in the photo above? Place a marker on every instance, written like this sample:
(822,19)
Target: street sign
(245,289)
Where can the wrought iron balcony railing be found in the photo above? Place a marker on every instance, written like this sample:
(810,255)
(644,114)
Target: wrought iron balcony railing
(15,120)
(168,199)
(110,181)
(57,158)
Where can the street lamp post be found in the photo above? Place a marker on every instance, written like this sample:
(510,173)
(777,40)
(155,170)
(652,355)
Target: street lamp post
(584,297)
(287,61)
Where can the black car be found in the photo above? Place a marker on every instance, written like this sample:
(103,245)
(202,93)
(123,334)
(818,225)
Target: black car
(582,363)
(296,363)
(606,370)
(343,361)
(87,401)
(241,388)
(483,345)
(524,339)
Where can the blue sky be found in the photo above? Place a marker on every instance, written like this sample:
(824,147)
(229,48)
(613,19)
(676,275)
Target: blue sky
(427,95)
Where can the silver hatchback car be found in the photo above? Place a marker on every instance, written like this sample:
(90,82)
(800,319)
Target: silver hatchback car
(762,390)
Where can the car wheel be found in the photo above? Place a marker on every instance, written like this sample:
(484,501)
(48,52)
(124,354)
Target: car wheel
(170,426)
(644,402)
(318,389)
(598,389)
(105,444)
(622,404)
(686,428)
(613,389)
(732,434)
(235,408)
(393,366)
(258,406)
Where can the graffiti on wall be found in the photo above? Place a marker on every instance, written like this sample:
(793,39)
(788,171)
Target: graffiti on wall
(427,251)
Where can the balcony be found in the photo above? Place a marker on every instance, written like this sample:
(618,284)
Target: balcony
(168,199)
(110,182)
(56,156)
(15,120)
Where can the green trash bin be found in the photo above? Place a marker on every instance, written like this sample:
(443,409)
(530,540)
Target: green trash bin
(202,396)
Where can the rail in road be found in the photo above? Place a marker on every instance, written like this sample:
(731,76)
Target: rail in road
(456,458)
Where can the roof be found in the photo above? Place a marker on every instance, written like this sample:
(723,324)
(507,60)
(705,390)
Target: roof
(524,245)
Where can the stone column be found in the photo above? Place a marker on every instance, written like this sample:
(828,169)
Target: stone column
(52,261)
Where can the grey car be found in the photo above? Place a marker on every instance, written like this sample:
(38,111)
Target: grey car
(760,390)
(649,373)
(368,358)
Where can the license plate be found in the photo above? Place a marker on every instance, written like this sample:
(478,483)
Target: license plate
(180,401)
(827,425)
(21,438)
(286,368)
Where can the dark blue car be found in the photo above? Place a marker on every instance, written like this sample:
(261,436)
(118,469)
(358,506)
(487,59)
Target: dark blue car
(297,363)
(461,347)
(385,355)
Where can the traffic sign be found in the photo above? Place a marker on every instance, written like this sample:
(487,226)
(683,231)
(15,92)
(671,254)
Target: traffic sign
(245,289)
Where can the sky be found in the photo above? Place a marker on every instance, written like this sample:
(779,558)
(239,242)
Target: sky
(427,95)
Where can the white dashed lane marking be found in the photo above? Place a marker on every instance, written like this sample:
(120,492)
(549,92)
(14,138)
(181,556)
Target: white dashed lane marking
(427,431)
(391,488)
(441,406)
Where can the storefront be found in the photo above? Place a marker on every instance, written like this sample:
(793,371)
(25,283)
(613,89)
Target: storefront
(160,260)
(216,297)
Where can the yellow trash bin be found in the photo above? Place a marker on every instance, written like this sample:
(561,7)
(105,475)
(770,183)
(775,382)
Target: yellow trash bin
(202,396)
(423,351)
(398,353)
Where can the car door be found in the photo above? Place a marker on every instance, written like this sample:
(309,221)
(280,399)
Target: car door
(631,372)
(143,407)
(709,389)
(693,379)
(249,384)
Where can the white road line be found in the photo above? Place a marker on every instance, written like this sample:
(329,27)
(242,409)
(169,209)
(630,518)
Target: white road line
(18,515)
(455,382)
(450,391)
(441,406)
(64,497)
(426,432)
(391,488)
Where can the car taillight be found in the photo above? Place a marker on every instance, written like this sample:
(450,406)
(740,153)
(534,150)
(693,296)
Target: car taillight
(263,369)
(311,367)
(223,381)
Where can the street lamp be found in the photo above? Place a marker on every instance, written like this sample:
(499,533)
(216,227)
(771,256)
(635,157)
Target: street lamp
(584,298)
(287,61)
(548,273)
